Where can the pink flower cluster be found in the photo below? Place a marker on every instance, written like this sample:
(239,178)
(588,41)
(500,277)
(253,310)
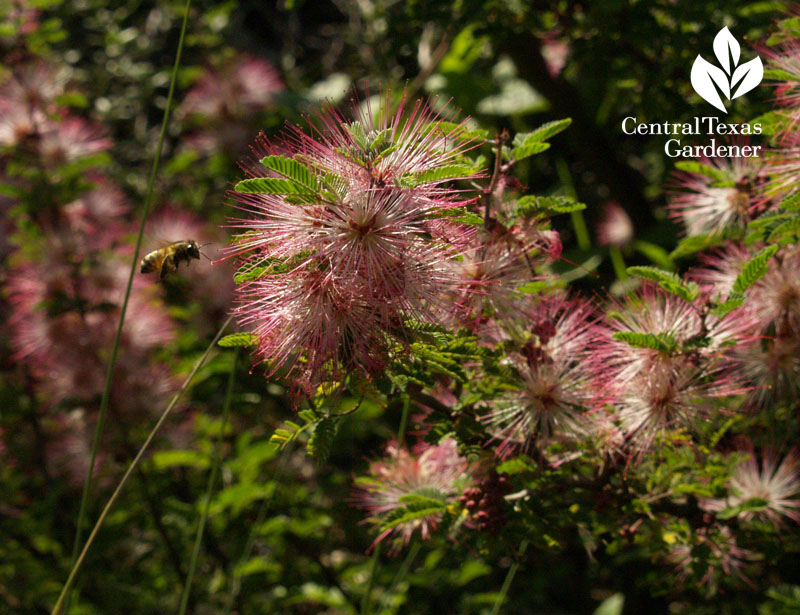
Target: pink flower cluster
(66,241)
(366,248)
(433,472)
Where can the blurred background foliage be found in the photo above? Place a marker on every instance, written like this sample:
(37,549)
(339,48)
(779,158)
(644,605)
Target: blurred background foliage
(507,64)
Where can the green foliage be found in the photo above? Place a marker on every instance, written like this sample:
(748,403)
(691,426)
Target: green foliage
(669,281)
(662,342)
(544,206)
(238,340)
(292,170)
(270,185)
(754,269)
(438,174)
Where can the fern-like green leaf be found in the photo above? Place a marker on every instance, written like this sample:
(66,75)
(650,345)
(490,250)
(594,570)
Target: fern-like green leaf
(543,133)
(291,169)
(321,441)
(248,273)
(754,269)
(271,185)
(528,150)
(238,340)
(662,342)
(786,232)
(670,282)
(356,131)
(291,431)
(693,166)
(459,214)
(791,204)
(733,301)
(529,206)
(439,174)
(697,243)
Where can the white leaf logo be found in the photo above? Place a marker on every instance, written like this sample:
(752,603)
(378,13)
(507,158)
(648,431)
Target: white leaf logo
(711,81)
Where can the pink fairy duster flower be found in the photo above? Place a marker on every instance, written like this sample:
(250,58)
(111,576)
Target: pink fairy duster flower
(555,54)
(556,379)
(707,208)
(381,148)
(776,296)
(226,102)
(72,138)
(340,269)
(717,557)
(98,215)
(785,59)
(243,86)
(304,324)
(35,86)
(491,274)
(63,321)
(770,363)
(615,227)
(775,485)
(434,472)
(661,388)
(770,366)
(67,449)
(719,269)
(782,166)
(18,123)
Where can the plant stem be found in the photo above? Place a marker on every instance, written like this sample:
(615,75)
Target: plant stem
(618,262)
(57,609)
(87,487)
(251,538)
(578,221)
(401,432)
(212,478)
(496,173)
(509,578)
(401,573)
(371,582)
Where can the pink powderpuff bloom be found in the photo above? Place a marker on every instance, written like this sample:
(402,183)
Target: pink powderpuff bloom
(492,272)
(305,324)
(243,86)
(776,296)
(705,207)
(381,149)
(719,269)
(770,363)
(615,228)
(63,322)
(19,123)
(35,85)
(98,216)
(435,472)
(67,449)
(786,59)
(658,389)
(226,103)
(557,373)
(72,138)
(776,484)
(721,557)
(341,268)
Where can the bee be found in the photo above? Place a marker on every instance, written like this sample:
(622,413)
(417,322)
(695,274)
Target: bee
(166,259)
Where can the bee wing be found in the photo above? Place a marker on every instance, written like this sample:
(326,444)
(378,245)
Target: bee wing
(167,266)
